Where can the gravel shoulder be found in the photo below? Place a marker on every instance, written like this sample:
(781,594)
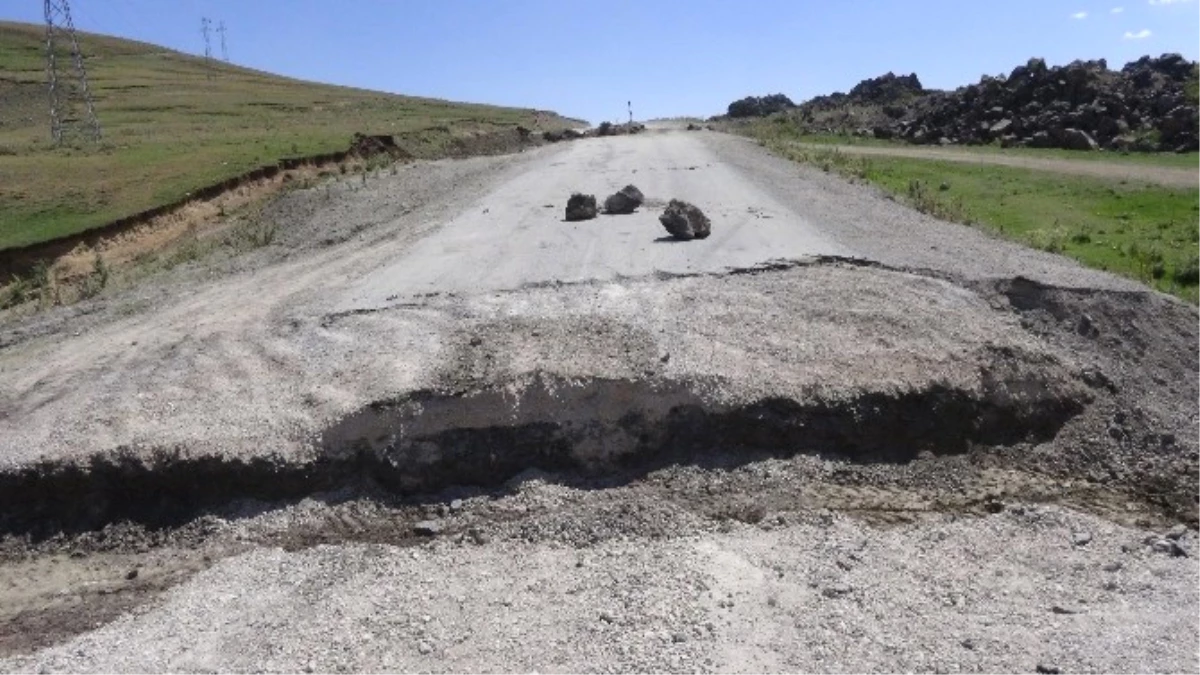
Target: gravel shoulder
(836,435)
(1116,171)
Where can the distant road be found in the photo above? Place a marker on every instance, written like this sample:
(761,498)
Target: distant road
(1161,175)
(515,234)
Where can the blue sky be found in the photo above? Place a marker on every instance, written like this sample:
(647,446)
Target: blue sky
(585,59)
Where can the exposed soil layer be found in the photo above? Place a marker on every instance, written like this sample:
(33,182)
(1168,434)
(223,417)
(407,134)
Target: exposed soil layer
(427,442)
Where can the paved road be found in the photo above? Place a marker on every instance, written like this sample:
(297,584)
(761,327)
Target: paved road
(515,234)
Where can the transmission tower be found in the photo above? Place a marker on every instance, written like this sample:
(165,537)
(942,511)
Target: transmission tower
(224,51)
(67,93)
(205,24)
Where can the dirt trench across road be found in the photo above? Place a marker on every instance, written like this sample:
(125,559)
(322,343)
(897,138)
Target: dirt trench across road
(435,427)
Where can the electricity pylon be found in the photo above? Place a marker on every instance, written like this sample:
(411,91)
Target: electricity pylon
(67,94)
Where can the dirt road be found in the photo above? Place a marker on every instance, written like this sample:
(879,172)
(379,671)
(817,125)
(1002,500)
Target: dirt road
(386,440)
(1114,170)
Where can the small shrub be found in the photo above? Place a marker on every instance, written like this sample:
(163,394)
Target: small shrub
(188,251)
(97,280)
(19,292)
(40,283)
(1191,87)
(1050,241)
(252,235)
(1187,273)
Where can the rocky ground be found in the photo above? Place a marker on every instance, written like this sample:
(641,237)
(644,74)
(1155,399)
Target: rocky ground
(436,427)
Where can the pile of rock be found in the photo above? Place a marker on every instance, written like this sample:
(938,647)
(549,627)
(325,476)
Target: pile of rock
(605,129)
(760,106)
(1080,106)
(610,129)
(1144,106)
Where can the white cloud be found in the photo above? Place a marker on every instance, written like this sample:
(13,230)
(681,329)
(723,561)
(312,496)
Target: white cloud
(1079,15)
(1117,10)
(1140,35)
(1167,2)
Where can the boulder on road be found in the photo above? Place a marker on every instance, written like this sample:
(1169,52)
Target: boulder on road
(625,201)
(581,207)
(685,221)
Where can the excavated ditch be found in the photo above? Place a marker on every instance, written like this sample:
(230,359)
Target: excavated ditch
(428,441)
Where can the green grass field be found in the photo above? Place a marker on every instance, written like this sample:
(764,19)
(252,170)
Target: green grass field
(168,128)
(1141,231)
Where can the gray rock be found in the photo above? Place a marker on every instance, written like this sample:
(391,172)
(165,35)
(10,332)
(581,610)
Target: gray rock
(1176,533)
(1081,538)
(428,528)
(1168,546)
(685,221)
(1074,139)
(625,201)
(1000,128)
(581,207)
(836,591)
(1040,139)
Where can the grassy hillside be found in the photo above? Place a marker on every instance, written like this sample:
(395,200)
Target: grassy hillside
(169,128)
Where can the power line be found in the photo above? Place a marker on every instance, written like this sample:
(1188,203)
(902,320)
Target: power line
(224,51)
(205,24)
(66,96)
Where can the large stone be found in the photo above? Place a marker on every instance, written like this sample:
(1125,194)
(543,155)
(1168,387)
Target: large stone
(685,221)
(1040,139)
(625,201)
(581,207)
(1074,139)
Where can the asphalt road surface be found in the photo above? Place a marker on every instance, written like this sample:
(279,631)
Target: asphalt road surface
(511,236)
